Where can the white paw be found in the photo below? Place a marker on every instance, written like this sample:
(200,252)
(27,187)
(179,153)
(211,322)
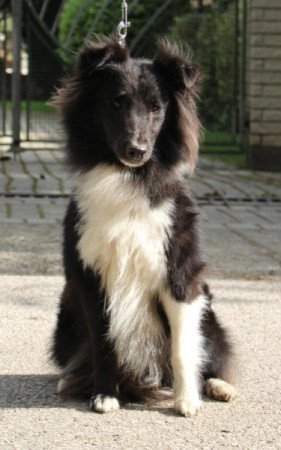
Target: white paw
(220,390)
(104,403)
(186,407)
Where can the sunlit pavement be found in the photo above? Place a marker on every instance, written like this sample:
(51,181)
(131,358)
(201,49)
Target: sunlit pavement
(243,246)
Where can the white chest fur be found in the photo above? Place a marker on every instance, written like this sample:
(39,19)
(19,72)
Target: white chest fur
(124,240)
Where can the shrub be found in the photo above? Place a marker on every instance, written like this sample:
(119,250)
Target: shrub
(210,35)
(108,20)
(209,32)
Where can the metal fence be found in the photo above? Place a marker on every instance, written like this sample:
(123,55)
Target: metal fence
(31,67)
(32,82)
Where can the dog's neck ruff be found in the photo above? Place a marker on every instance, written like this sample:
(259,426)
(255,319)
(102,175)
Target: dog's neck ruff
(124,239)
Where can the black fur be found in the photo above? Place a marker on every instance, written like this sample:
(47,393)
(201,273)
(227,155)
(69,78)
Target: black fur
(100,107)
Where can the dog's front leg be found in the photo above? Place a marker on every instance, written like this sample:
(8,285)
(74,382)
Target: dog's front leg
(104,396)
(186,351)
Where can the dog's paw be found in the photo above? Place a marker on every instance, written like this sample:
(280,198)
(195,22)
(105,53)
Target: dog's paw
(186,407)
(104,403)
(220,390)
(62,384)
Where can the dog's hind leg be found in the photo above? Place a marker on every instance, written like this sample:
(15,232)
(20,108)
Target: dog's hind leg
(186,351)
(66,339)
(217,389)
(219,368)
(70,345)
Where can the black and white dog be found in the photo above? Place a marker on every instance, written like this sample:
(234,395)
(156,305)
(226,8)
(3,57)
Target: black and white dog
(135,314)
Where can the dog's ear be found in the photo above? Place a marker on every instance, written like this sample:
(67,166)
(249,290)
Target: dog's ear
(95,55)
(176,68)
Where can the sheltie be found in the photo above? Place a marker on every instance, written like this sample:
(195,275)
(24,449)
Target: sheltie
(135,316)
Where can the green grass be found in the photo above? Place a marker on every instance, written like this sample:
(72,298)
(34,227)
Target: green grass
(35,106)
(220,146)
(218,137)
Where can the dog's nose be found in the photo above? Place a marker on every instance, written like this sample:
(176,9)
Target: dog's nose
(135,153)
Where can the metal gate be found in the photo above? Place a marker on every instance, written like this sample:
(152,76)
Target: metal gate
(5,74)
(39,70)
(208,29)
(217,35)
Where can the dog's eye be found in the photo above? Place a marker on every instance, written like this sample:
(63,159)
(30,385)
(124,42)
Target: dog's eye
(155,107)
(118,103)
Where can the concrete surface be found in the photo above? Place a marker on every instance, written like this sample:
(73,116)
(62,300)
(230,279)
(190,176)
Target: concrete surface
(243,245)
(33,417)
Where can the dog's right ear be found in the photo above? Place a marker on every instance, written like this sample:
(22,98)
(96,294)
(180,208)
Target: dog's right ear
(175,67)
(96,55)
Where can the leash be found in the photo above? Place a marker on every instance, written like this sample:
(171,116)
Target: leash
(124,24)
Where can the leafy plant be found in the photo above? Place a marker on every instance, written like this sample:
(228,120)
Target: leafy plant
(80,19)
(208,30)
(210,34)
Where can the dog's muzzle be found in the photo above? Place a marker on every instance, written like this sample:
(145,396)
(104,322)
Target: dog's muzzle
(134,156)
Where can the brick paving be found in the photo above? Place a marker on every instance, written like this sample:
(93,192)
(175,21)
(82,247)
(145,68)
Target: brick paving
(241,215)
(34,189)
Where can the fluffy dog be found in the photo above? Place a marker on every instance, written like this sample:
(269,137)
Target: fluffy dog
(135,315)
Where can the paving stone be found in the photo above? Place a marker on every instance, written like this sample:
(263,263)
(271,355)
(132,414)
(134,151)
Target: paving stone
(230,252)
(46,167)
(269,246)
(274,213)
(42,172)
(247,217)
(213,217)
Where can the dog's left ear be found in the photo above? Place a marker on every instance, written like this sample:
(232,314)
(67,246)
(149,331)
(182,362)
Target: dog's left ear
(95,55)
(178,71)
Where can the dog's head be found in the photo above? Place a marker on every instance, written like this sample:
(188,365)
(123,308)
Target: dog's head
(143,110)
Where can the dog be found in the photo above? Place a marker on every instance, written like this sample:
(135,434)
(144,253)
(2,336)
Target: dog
(135,316)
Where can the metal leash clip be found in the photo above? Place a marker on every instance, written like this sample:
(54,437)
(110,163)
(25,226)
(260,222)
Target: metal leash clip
(124,24)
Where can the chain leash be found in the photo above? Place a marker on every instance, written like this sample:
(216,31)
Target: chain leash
(123,26)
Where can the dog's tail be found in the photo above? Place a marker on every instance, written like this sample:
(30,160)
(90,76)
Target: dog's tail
(134,391)
(80,385)
(76,385)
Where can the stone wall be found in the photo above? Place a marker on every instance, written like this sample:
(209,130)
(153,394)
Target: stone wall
(264,83)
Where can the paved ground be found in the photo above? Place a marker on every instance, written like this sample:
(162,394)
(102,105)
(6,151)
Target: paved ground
(241,211)
(243,244)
